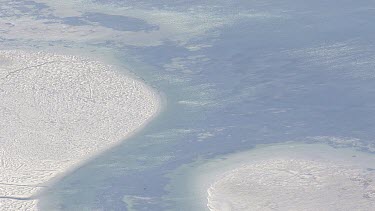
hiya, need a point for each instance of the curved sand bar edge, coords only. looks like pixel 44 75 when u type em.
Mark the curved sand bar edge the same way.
pixel 56 113
pixel 285 176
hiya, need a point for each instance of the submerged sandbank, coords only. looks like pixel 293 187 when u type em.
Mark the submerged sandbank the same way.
pixel 57 111
pixel 291 176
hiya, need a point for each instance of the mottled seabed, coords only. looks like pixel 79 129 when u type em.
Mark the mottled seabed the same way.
pixel 290 176
pixel 57 111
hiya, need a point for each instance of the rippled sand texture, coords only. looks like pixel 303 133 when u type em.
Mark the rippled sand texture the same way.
pixel 294 184
pixel 56 111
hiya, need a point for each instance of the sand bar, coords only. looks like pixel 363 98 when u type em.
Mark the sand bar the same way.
pixel 58 111
pixel 294 177
pixel 287 176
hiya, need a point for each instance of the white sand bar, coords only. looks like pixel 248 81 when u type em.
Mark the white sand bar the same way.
pixel 294 177
pixel 57 111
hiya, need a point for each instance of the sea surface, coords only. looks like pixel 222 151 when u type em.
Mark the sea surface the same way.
pixel 237 74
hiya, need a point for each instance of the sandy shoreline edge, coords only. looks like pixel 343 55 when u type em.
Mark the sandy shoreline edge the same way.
pixel 113 102
pixel 246 180
pixel 289 176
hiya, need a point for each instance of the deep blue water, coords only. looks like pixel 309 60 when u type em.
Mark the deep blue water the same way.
pixel 309 72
